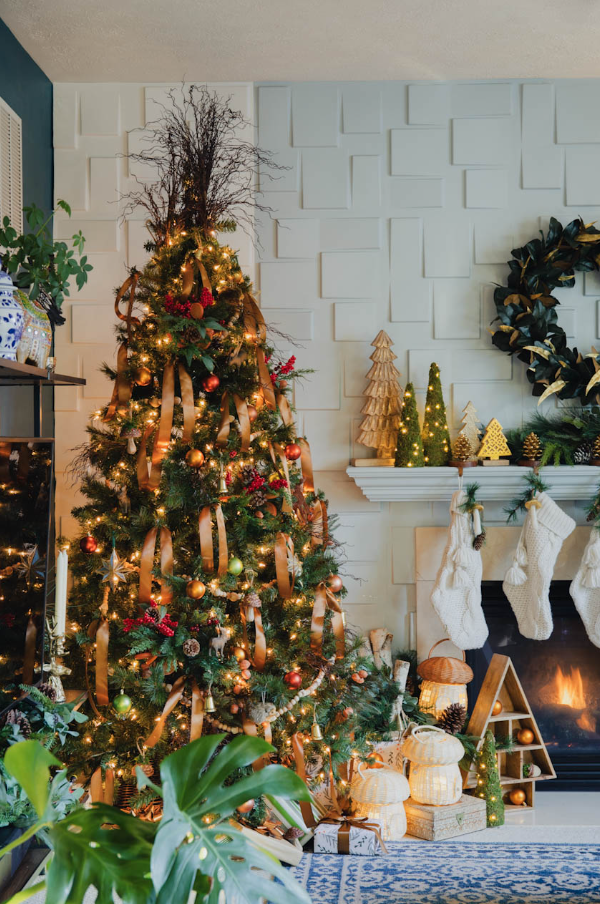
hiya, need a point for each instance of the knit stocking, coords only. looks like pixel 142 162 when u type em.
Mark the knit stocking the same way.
pixel 585 588
pixel 527 581
pixel 456 596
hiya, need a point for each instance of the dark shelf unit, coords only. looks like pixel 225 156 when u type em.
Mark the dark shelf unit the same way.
pixel 14 374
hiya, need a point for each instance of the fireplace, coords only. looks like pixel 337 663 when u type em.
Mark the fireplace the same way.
pixel 560 677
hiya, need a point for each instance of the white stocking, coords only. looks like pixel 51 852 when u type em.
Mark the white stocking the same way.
pixel 585 588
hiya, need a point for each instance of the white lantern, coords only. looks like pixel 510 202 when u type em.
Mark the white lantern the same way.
pixel 379 794
pixel 434 774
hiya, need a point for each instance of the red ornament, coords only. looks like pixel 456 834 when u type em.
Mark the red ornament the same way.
pixel 293 451
pixel 238 688
pixel 293 679
pixel 335 583
pixel 234 708
pixel 211 383
pixel 88 544
pixel 252 413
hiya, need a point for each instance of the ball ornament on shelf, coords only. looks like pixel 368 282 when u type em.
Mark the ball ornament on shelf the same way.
pixel 142 376
pixel 335 583
pixel 88 544
pixel 122 703
pixel 195 590
pixel 235 566
pixel 525 736
pixel 211 383
pixel 497 708
pixel 195 458
pixel 293 679
pixel 517 797
pixel 293 451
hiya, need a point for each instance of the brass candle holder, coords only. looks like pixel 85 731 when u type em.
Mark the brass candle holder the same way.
pixel 56 668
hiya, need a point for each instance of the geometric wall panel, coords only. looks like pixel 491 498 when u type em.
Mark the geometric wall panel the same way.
pixel 486 188
pixel 447 248
pixel 325 178
pixel 493 242
pixel 427 104
pixel 71 177
pixel 591 283
pixel 274 117
pixel 297 238
pixel 103 184
pixel 350 275
pixel 492 99
pixel 542 159
pixel 288 284
pixel 583 175
pixel 355 320
pixel 65 116
pixel 410 293
pixel 321 389
pixel 456 309
pixel 417 193
pixel 285 179
pixel 366 182
pixel 419 361
pixel 361 104
pixel 480 141
pixel 89 323
pixel 419 152
pixel 474 364
pixel 578 112
pixel 315 115
pixel 100 110
pixel 298 325
pixel 349 233
pixel 100 235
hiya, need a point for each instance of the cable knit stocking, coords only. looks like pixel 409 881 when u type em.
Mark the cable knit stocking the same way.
pixel 456 596
pixel 527 581
pixel 585 588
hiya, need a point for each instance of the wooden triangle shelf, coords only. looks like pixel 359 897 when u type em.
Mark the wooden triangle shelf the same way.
pixel 502 684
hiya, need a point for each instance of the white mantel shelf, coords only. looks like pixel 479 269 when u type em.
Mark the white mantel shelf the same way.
pixel 437 484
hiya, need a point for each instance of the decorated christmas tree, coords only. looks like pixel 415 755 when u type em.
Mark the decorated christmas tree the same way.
pixel 436 440
pixel 206 584
pixel 470 427
pixel 488 781
pixel 409 447
pixel 382 407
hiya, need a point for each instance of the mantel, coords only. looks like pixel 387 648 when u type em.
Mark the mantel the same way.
pixel 437 484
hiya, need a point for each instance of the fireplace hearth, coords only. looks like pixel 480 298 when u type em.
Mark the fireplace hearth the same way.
pixel 560 677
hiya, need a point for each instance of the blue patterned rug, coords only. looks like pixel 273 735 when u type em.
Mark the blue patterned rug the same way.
pixel 420 873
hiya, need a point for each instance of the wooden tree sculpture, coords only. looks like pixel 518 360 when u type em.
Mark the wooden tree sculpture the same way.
pixel 494 444
pixel 470 428
pixel 379 428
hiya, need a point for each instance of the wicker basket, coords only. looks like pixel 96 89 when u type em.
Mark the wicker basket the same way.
pixel 439 786
pixel 445 669
pixel 380 794
pixel 428 745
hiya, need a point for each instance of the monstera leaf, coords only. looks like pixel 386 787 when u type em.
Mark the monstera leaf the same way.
pixel 192 837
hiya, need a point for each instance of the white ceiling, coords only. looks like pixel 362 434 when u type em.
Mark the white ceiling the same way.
pixel 307 40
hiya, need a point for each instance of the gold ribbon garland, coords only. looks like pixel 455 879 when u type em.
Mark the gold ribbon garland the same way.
pixel 283 545
pixel 305 807
pixel 121 393
pixel 197 712
pixel 163 435
pixel 173 699
pixel 99 634
pixel 324 599
pixel 206 540
pixel 306 465
pixel 187 403
pixel 29 651
pixel 147 563
pixel 256 330
pixel 106 794
pixel 227 418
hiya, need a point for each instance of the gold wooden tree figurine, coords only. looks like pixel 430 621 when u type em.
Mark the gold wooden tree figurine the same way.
pixel 532 451
pixel 383 405
pixel 493 445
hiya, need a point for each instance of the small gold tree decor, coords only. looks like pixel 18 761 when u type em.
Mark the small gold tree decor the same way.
pixel 462 453
pixel 470 427
pixel 383 405
pixel 436 441
pixel 532 451
pixel 409 448
pixel 493 445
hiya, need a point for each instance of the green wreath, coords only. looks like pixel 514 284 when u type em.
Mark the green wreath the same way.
pixel 528 318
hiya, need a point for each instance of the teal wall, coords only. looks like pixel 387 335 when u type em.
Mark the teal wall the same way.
pixel 28 91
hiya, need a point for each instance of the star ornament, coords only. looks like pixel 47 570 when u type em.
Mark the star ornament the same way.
pixel 115 570
pixel 32 566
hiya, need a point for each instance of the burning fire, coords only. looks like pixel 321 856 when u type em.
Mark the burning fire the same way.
pixel 568 691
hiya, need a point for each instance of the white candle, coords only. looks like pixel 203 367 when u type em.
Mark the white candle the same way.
pixel 60 594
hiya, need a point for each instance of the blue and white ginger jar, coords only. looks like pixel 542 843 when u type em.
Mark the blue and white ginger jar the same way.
pixel 12 319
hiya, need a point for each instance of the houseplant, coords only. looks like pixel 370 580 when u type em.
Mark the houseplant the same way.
pixel 194 847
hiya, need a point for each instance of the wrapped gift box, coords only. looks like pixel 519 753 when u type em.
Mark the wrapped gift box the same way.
pixel 334 838
pixel 439 823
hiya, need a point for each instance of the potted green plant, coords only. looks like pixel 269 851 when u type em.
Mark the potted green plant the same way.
pixel 194 847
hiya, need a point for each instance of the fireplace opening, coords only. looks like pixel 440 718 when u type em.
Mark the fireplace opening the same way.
pixel 560 677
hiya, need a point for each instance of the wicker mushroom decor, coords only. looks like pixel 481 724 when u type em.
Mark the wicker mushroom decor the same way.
pixel 434 774
pixel 380 794
pixel 445 680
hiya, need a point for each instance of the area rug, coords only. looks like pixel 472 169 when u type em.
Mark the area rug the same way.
pixel 455 873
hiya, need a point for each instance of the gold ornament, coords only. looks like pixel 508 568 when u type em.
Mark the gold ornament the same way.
pixel 315 732
pixel 209 704
pixel 115 570
pixel 497 708
pixel 517 797
pixel 197 311
pixel 195 458
pixel 195 590
pixel 142 376
pixel 525 736
pixel 239 653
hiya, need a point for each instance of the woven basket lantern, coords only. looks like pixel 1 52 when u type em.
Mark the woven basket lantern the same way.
pixel 380 794
pixel 445 680
pixel 434 774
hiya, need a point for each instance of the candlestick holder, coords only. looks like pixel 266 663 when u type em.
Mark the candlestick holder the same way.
pixel 55 668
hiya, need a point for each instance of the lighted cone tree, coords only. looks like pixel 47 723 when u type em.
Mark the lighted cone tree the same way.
pixel 409 447
pixel 213 601
pixel 383 405
pixel 436 439
pixel 488 781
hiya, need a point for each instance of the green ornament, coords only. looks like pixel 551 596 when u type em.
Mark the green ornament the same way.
pixel 122 703
pixel 236 566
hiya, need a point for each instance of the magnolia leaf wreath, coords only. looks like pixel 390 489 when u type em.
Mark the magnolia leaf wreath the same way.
pixel 528 317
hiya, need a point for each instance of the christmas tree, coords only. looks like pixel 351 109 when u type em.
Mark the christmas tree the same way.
pixel 470 427
pixel 488 781
pixel 382 408
pixel 494 442
pixel 436 440
pixel 409 448
pixel 205 577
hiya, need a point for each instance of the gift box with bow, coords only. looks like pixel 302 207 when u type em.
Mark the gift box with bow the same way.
pixel 340 834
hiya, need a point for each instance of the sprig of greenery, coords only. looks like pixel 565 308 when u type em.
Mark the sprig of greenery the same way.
pixel 534 484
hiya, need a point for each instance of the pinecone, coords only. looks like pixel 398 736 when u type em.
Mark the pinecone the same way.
pixel 190 335
pixel 247 473
pixel 479 540
pixel 47 690
pixel 532 448
pixel 259 497
pixel 191 647
pixel 453 718
pixel 596 449
pixel 461 450
pixel 16 717
pixel 582 454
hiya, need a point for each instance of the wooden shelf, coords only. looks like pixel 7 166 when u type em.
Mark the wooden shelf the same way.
pixel 14 374
pixel 504 717
pixel 437 484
